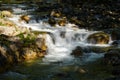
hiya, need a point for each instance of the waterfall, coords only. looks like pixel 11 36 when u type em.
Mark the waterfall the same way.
pixel 61 40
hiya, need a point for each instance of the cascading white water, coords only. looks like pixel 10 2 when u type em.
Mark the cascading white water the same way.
pixel 60 41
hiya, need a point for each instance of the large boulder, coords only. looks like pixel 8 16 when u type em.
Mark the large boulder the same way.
pixel 23 47
pixel 98 38
pixel 78 51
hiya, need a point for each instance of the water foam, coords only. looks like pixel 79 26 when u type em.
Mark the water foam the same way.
pixel 61 40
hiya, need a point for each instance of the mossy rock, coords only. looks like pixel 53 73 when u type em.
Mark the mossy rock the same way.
pixel 98 38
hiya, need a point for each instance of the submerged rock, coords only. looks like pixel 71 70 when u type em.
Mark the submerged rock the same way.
pixel 78 51
pixel 98 38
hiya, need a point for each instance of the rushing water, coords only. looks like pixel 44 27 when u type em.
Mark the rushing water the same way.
pixel 59 64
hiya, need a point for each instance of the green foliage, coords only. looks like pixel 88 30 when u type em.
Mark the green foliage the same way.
pixel 27 39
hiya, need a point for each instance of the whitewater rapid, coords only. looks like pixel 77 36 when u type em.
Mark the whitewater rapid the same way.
pixel 60 40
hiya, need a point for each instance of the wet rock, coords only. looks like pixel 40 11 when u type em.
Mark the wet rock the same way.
pixel 52 21
pixel 55 13
pixel 98 38
pixel 25 18
pixel 116 43
pixel 78 51
pixel 112 57
pixel 97 49
pixel 75 20
pixel 62 22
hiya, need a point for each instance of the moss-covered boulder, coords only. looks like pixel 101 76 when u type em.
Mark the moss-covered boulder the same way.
pixel 98 38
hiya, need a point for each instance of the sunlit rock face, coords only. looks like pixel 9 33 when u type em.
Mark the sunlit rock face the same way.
pixel 6 14
pixel 98 38
pixel 21 47
pixel 12 31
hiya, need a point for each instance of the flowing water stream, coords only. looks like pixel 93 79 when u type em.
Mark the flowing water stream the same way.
pixel 59 64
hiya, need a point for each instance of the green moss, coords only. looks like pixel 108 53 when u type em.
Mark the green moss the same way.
pixel 28 39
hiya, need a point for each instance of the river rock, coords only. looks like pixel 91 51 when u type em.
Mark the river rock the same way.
pixel 78 51
pixel 112 57
pixel 62 22
pixel 25 18
pixel 98 38
pixel 55 13
pixel 52 21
